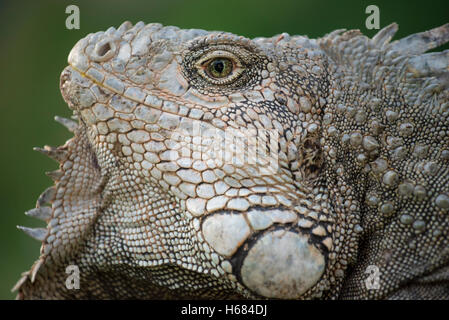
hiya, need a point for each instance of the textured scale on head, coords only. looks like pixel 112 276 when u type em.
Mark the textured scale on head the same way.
pixel 208 165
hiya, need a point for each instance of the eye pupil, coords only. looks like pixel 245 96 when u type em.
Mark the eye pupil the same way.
pixel 218 66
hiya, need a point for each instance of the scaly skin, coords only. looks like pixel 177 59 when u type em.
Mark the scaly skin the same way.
pixel 207 165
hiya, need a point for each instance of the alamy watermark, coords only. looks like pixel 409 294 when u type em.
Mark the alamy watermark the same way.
pixel 239 147
pixel 373 20
pixel 72 282
pixel 373 280
pixel 73 20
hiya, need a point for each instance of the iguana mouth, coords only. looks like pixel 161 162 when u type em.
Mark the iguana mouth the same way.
pixel 71 89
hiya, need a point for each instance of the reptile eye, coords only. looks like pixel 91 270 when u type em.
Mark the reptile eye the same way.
pixel 219 67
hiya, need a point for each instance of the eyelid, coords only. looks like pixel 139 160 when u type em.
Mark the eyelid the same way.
pixel 219 54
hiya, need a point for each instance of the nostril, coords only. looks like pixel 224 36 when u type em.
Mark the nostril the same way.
pixel 101 51
pixel 104 50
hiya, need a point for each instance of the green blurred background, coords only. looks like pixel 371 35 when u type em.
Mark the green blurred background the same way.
pixel 34 48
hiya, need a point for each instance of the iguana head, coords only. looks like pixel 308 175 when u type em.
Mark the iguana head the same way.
pixel 223 129
pixel 208 164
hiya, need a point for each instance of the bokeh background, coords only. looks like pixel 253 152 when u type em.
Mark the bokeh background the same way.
pixel 34 45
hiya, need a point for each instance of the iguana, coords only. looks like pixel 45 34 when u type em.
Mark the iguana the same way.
pixel 209 165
